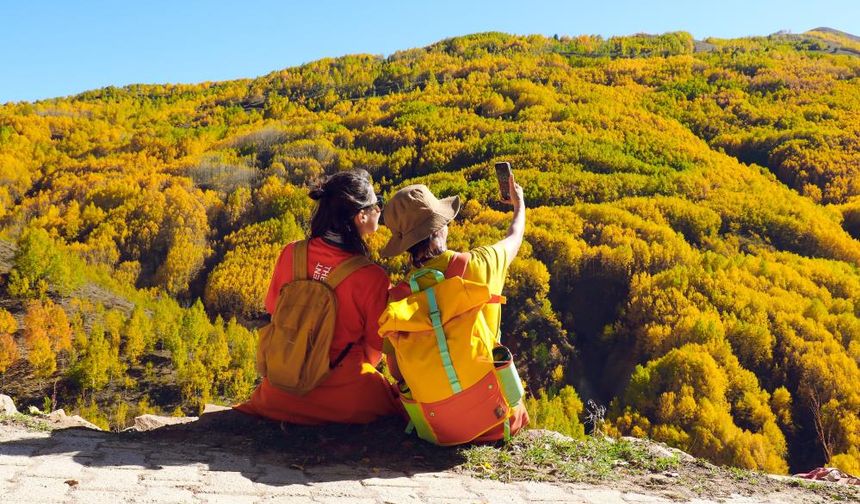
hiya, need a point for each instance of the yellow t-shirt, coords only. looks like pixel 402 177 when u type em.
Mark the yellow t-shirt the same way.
pixel 488 264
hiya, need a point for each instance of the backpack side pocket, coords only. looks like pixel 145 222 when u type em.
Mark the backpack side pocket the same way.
pixel 506 371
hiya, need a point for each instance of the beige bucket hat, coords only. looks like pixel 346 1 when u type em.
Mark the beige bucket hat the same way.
pixel 413 214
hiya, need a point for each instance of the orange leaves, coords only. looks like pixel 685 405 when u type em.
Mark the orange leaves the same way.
pixel 9 352
pixel 46 333
pixel 48 321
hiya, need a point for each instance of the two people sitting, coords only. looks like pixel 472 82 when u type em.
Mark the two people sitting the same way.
pixel 350 389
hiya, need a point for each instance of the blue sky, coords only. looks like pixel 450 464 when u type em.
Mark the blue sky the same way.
pixel 62 47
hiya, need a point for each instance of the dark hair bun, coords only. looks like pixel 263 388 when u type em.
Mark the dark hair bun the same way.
pixel 317 193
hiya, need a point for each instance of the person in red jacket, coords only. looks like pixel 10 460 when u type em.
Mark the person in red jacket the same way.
pixel 354 391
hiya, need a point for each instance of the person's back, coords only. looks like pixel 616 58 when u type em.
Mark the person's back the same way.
pixel 419 226
pixel 487 264
pixel 353 391
pixel 293 352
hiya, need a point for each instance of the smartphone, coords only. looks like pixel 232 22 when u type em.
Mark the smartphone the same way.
pixel 504 174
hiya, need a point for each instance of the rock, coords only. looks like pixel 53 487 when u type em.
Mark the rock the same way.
pixel 212 408
pixel 7 405
pixel 660 450
pixel 544 434
pixel 57 415
pixel 60 420
pixel 227 420
pixel 150 422
pixel 82 422
pixel 682 455
pixel 658 479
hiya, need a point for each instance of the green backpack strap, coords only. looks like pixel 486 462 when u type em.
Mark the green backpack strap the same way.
pixel 436 320
pixel 442 342
pixel 413 279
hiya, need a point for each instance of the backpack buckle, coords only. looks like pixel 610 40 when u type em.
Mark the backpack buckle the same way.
pixel 500 412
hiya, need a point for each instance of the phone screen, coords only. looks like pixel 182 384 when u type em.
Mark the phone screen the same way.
pixel 504 174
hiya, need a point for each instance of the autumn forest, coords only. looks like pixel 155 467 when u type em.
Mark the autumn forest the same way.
pixel 691 255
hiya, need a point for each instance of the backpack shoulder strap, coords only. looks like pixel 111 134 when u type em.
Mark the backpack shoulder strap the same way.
pixel 399 291
pixel 300 260
pixel 346 268
pixel 457 265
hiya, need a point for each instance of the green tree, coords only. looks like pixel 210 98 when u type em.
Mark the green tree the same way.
pixel 138 331
pixel 559 412
pixel 39 264
pixel 216 355
pixel 94 369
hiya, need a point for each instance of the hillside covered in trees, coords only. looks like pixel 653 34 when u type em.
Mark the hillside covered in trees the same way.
pixel 691 258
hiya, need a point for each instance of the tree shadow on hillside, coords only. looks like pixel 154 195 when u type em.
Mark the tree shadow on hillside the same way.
pixel 593 302
pixel 262 451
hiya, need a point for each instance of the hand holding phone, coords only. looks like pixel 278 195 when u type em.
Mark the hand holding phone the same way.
pixel 504 175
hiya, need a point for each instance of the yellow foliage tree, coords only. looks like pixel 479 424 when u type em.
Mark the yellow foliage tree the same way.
pixel 694 410
pixel 49 320
pixel 41 356
pixel 8 324
pixel 559 412
pixel 8 351
pixel 675 199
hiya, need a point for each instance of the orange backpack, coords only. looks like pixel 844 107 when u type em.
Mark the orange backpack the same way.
pixel 461 382
pixel 294 348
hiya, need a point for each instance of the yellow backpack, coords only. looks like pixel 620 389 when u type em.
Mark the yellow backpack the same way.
pixel 461 381
pixel 294 348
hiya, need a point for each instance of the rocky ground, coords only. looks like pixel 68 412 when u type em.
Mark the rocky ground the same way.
pixel 227 457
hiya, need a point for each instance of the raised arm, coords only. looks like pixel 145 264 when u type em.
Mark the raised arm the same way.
pixel 514 238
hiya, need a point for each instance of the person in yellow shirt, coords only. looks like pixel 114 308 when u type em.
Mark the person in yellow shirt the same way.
pixel 419 225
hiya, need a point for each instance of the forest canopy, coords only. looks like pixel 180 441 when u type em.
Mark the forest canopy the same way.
pixel 691 257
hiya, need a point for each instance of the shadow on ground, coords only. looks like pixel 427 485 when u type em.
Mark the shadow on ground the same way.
pixel 262 451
